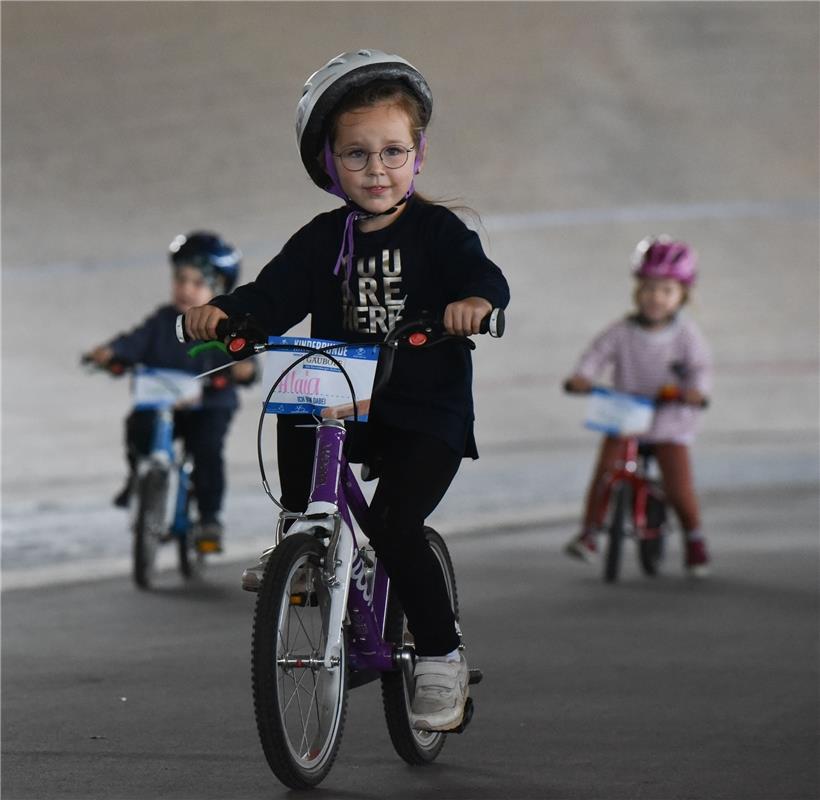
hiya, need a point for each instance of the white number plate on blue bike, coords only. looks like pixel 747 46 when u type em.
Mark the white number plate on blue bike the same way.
pixel 618 413
pixel 316 385
pixel 165 388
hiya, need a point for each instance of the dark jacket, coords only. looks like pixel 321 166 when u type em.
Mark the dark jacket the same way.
pixel 154 344
pixel 423 261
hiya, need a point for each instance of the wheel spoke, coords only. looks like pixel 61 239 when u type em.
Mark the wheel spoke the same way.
pixel 299 703
pixel 301 679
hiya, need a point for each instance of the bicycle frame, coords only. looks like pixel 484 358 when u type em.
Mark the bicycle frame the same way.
pixel 627 470
pixel 334 495
pixel 163 454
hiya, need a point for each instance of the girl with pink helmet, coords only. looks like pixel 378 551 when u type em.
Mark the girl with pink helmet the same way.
pixel 656 350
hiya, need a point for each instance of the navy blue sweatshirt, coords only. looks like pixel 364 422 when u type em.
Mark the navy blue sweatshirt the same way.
pixel 425 259
pixel 154 343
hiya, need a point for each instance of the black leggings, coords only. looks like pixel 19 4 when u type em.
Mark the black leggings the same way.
pixel 415 471
pixel 203 432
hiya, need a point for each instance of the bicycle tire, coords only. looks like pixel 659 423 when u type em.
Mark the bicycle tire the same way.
pixel 300 746
pixel 415 747
pixel 615 538
pixel 149 524
pixel 191 562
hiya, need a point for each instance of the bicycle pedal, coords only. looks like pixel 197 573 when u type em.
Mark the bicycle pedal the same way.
pixel 469 709
pixel 476 676
pixel 208 546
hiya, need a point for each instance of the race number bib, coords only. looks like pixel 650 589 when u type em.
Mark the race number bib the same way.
pixel 316 385
pixel 165 388
pixel 618 413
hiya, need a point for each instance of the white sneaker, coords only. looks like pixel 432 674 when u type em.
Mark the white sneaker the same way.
pixel 441 689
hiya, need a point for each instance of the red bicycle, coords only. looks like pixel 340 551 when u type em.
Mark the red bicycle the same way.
pixel 630 501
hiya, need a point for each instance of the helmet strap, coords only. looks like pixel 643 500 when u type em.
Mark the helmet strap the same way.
pixel 357 213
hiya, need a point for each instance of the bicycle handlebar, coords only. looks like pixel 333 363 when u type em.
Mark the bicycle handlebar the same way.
pixel 665 396
pixel 245 337
pixel 114 366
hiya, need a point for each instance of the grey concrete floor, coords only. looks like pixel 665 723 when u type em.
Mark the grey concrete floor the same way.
pixel 655 689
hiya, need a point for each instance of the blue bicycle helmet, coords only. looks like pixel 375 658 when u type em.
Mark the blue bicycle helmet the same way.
pixel 218 260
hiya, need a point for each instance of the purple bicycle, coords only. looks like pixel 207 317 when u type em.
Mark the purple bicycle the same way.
pixel 326 618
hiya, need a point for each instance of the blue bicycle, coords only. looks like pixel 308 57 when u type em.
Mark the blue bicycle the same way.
pixel 161 485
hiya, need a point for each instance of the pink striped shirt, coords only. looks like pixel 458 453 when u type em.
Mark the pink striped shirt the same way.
pixel 643 360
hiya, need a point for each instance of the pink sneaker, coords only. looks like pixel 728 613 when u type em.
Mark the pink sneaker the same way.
pixel 582 546
pixel 697 558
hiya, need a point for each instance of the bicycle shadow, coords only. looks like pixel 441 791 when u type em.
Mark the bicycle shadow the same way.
pixel 199 589
pixel 733 587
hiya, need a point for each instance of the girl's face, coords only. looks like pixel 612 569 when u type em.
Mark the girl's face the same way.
pixel 659 298
pixel 376 187
pixel 190 288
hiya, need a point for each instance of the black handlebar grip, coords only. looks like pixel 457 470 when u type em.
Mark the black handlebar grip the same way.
pixel 493 323
pixel 223 329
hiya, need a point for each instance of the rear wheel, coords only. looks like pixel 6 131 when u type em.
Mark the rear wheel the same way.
pixel 415 747
pixel 300 704
pixel 650 553
pixel 650 545
pixel 612 560
pixel 191 561
pixel 149 523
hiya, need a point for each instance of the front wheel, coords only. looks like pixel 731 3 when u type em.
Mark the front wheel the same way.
pixel 300 704
pixel 612 560
pixel 149 523
pixel 415 747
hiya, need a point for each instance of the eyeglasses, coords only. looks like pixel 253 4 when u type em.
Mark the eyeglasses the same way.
pixel 394 156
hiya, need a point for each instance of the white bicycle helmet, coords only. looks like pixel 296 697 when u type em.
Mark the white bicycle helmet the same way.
pixel 328 85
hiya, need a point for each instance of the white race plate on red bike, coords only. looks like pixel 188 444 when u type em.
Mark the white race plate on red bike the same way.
pixel 316 385
pixel 165 388
pixel 618 413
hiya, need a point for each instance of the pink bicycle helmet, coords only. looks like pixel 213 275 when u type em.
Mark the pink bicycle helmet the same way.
pixel 662 257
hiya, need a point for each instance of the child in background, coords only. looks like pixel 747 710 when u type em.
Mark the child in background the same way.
pixel 655 347
pixel 387 253
pixel 202 264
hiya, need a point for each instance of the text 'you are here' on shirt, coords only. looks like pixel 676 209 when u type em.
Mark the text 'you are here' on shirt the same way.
pixel 421 262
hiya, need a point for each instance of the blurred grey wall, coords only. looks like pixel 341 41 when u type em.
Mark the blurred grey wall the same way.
pixel 574 129
pixel 124 123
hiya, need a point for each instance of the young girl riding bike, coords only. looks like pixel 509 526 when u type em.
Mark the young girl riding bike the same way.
pixel 652 351
pixel 386 253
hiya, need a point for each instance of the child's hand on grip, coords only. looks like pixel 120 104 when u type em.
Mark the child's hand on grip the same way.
pixel 201 322
pixel 463 318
